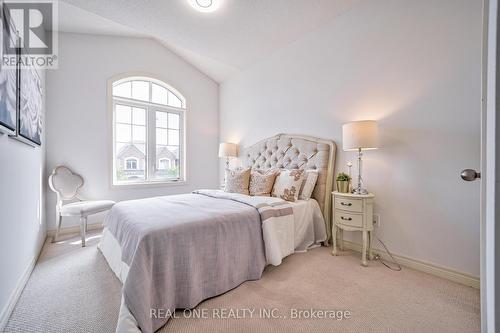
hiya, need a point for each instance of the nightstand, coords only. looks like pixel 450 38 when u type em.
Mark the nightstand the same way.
pixel 353 212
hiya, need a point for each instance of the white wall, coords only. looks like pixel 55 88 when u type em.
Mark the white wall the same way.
pixel 78 121
pixel 22 213
pixel 415 67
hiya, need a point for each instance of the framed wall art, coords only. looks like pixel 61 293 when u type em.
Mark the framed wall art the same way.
pixel 9 80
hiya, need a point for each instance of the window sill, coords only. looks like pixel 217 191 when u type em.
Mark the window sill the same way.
pixel 149 184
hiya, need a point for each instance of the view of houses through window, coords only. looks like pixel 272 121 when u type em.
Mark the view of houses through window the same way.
pixel 148 120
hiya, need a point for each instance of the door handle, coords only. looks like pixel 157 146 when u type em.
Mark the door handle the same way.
pixel 469 175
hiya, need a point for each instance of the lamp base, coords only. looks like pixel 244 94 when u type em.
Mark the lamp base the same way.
pixel 361 191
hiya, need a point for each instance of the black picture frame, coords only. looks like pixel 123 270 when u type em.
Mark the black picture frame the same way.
pixel 9 79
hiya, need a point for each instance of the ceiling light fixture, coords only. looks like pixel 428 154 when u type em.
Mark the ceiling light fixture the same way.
pixel 204 3
pixel 205 6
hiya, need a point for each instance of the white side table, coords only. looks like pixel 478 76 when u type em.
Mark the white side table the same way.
pixel 352 212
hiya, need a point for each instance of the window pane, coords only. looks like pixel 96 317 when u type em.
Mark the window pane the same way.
pixel 141 147
pixel 122 114
pixel 130 162
pixel 139 133
pixel 159 95
pixel 174 100
pixel 161 136
pixel 167 163
pixel 173 137
pixel 140 90
pixel 174 150
pixel 119 146
pixel 123 90
pixel 161 119
pixel 139 116
pixel 123 133
pixel 173 121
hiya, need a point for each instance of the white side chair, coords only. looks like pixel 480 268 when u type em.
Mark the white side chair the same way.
pixel 66 184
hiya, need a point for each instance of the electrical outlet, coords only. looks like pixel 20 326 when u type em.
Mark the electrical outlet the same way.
pixel 376 220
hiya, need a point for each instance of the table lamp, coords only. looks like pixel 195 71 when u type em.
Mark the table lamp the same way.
pixel 360 135
pixel 227 150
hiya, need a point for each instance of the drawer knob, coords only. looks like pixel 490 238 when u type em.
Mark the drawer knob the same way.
pixel 346 204
pixel 346 218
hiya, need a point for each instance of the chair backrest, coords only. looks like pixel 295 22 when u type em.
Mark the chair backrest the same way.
pixel 65 183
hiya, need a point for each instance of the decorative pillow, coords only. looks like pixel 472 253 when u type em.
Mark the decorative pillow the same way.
pixel 308 185
pixel 261 182
pixel 237 181
pixel 287 184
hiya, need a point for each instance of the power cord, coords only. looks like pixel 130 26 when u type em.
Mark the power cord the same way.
pixel 379 258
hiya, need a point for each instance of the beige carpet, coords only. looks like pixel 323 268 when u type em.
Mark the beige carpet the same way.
pixel 73 290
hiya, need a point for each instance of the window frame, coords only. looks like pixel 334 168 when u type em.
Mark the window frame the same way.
pixel 151 109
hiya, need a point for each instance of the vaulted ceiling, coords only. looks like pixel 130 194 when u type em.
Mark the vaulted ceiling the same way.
pixel 240 33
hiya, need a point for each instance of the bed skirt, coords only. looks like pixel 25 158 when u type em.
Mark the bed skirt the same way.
pixel 110 249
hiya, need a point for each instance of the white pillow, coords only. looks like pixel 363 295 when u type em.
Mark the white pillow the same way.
pixel 309 184
pixel 287 184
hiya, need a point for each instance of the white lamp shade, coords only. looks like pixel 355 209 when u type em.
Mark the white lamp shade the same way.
pixel 228 150
pixel 360 134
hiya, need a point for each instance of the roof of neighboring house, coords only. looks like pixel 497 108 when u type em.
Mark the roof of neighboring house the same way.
pixel 133 151
pixel 164 152
pixel 130 151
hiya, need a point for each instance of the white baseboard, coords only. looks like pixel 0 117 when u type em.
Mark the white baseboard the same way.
pixel 419 265
pixel 73 229
pixel 16 293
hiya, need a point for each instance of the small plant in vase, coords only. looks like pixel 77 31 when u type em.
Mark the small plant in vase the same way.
pixel 343 180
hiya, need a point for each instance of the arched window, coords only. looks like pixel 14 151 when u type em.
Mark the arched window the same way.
pixel 131 163
pixel 148 123
pixel 164 164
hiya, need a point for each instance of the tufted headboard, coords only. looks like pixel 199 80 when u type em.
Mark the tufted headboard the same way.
pixel 287 151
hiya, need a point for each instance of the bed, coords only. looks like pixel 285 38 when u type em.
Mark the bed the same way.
pixel 175 251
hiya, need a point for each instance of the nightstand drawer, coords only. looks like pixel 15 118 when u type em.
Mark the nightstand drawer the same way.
pixel 352 220
pixel 352 205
